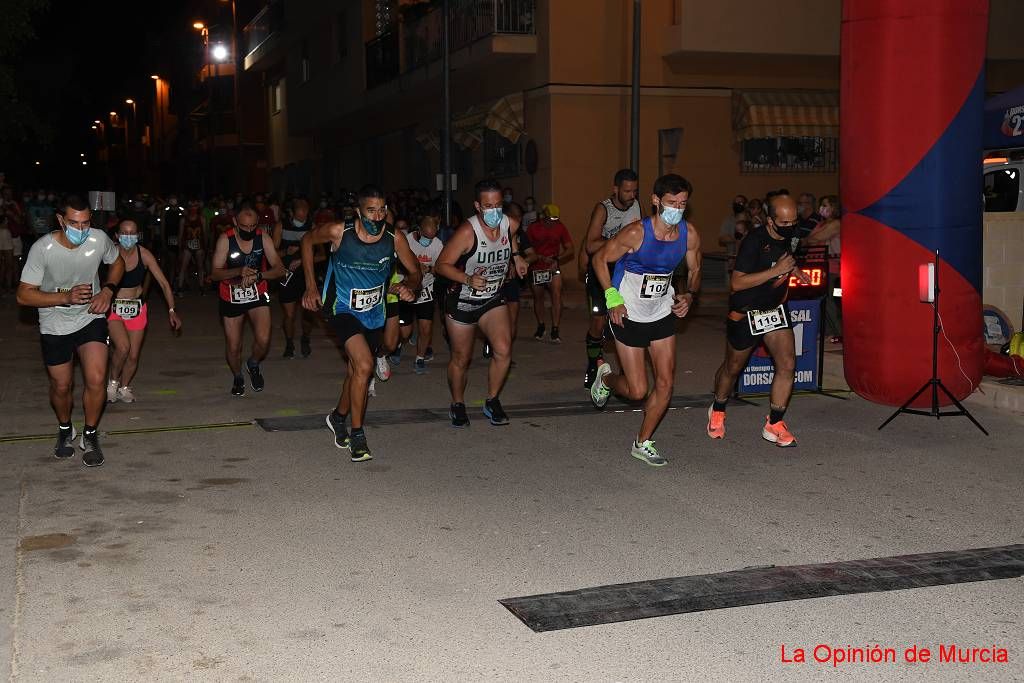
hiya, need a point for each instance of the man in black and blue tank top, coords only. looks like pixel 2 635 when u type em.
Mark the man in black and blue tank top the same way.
pixel 476 261
pixel 243 260
pixel 362 254
pixel 287 236
pixel 643 305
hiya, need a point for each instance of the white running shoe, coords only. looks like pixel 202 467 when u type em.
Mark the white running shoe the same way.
pixel 112 390
pixel 372 389
pixel 125 394
pixel 599 391
pixel 383 369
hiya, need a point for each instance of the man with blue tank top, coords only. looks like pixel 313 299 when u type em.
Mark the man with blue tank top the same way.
pixel 643 306
pixel 358 270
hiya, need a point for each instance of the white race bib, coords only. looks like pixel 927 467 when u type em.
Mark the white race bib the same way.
pixel 193 245
pixel 426 294
pixel 489 291
pixel 244 295
pixel 541 277
pixel 763 322
pixel 172 241
pixel 127 308
pixel 655 286
pixel 362 300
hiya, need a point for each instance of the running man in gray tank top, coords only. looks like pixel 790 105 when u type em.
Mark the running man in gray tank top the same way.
pixel 606 220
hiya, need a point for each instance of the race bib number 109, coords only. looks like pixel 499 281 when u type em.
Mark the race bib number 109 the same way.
pixel 127 308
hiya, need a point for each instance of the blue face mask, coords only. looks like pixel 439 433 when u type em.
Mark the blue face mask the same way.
pixel 297 223
pixel 671 215
pixel 75 236
pixel 492 217
pixel 425 241
pixel 128 241
pixel 373 227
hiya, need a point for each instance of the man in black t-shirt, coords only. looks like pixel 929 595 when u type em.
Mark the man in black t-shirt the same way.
pixel 757 312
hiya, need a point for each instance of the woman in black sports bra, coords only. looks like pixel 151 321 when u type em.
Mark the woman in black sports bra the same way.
pixel 126 321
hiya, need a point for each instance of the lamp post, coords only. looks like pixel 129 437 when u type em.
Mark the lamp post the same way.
pixel 204 31
pixel 234 90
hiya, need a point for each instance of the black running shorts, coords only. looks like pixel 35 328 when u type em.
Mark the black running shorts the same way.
pixel 640 335
pixel 409 313
pixel 292 288
pixel 737 332
pixel 470 317
pixel 230 310
pixel 60 348
pixel 346 326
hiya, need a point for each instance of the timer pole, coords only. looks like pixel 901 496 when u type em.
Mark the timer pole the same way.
pixel 935 383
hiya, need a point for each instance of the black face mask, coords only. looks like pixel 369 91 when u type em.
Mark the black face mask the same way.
pixel 247 235
pixel 787 232
pixel 738 208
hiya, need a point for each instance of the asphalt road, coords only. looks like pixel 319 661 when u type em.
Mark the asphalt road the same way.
pixel 233 553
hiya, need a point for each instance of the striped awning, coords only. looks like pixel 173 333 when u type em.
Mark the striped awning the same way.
pixel 429 140
pixel 774 114
pixel 504 116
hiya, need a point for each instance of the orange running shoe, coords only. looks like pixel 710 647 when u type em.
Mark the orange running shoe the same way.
pixel 716 422
pixel 778 434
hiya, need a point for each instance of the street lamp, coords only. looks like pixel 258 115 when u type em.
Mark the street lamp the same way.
pixel 220 53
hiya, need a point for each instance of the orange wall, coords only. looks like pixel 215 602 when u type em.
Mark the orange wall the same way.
pixel 590 137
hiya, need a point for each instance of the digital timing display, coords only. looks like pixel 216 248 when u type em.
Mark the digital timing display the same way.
pixel 817 276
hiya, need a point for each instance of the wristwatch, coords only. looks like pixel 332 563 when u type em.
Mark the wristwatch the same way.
pixel 111 286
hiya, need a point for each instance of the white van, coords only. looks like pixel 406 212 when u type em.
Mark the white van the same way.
pixel 1004 190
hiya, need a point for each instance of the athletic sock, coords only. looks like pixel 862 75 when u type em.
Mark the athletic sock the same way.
pixel 339 415
pixel 357 431
pixel 776 414
pixel 593 348
pixel 90 429
pixel 64 425
pixel 720 405
pixel 251 364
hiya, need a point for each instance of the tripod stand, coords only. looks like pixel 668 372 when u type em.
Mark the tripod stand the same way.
pixel 935 383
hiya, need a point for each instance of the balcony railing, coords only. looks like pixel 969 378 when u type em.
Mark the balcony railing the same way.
pixel 269 21
pixel 420 38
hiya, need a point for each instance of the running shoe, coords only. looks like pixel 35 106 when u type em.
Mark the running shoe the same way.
pixel 255 377
pixel 360 451
pixel 429 356
pixel 494 412
pixel 539 334
pixel 238 386
pixel 112 387
pixel 555 338
pixel 65 446
pixel 716 422
pixel 289 350
pixel 420 366
pixel 648 453
pixel 305 347
pixel 396 357
pixel 457 411
pixel 599 392
pixel 337 425
pixel 92 455
pixel 778 434
pixel 125 394
pixel 382 370
pixel 371 390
